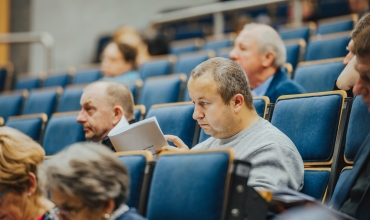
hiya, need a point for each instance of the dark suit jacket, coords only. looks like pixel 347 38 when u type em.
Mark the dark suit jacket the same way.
pixel 363 210
pixel 282 85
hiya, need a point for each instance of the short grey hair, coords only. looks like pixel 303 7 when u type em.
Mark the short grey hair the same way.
pixel 116 94
pixel 269 41
pixel 229 77
pixel 89 171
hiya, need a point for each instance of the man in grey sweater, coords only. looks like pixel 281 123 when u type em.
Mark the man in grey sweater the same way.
pixel 223 107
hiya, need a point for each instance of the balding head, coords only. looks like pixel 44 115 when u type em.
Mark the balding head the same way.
pixel 103 105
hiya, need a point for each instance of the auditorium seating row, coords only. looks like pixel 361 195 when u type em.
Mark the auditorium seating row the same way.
pixel 327 129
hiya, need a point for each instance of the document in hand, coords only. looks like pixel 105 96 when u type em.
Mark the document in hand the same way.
pixel 142 135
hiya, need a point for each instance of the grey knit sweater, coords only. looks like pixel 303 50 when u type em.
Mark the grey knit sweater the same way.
pixel 276 162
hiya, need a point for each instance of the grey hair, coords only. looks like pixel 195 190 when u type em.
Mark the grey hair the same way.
pixel 89 171
pixel 269 41
pixel 229 77
pixel 116 94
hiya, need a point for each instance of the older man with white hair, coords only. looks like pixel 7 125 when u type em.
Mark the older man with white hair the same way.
pixel 261 53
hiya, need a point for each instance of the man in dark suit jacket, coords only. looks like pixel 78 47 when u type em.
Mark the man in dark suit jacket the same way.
pixel 104 104
pixel 354 195
pixel 261 53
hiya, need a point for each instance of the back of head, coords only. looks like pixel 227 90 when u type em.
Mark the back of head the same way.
pixel 116 94
pixel 19 156
pixel 361 24
pixel 268 41
pixel 90 172
pixel 361 46
pixel 229 77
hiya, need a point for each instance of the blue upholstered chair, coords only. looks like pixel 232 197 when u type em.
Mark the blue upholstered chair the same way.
pixel 336 25
pixel 176 119
pixel 136 163
pixel 70 100
pixel 61 131
pixel 62 79
pixel 86 76
pixel 187 62
pixel 189 186
pixel 27 83
pixel 342 178
pixel 294 49
pixel 327 46
pixel 318 76
pixel 311 121
pixel 158 90
pixel 358 129
pixel 218 42
pixel 260 104
pixel 156 67
pixel 11 103
pixel 183 46
pixel 139 112
pixel 135 89
pixel 42 101
pixel 304 32
pixel 316 182
pixel 31 125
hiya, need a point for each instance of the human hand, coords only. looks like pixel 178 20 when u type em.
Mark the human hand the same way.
pixel 180 145
pixel 348 77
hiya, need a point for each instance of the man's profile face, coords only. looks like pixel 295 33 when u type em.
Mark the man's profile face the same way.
pixel 350 53
pixel 246 54
pixel 96 116
pixel 209 110
pixel 362 86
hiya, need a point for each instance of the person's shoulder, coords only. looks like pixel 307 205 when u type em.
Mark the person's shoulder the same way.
pixel 131 215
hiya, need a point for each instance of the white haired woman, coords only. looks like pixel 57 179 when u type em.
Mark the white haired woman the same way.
pixel 88 181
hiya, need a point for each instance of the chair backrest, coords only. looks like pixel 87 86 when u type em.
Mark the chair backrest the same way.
pixel 31 125
pixel 156 67
pixel 357 130
pixel 70 100
pixel 288 33
pixel 176 119
pixel 62 79
pixel 27 83
pixel 42 101
pixel 11 103
pixel 187 62
pixel 294 49
pixel 61 131
pixel 318 76
pixel 342 178
pixel 139 112
pixel 86 76
pixel 338 24
pixel 159 90
pixel 183 46
pixel 260 104
pixel 194 189
pixel 327 46
pixel 316 182
pixel 218 42
pixel 136 163
pixel 311 121
pixel 135 89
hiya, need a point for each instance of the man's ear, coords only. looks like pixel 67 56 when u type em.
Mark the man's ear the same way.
pixel 237 102
pixel 268 59
pixel 117 114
